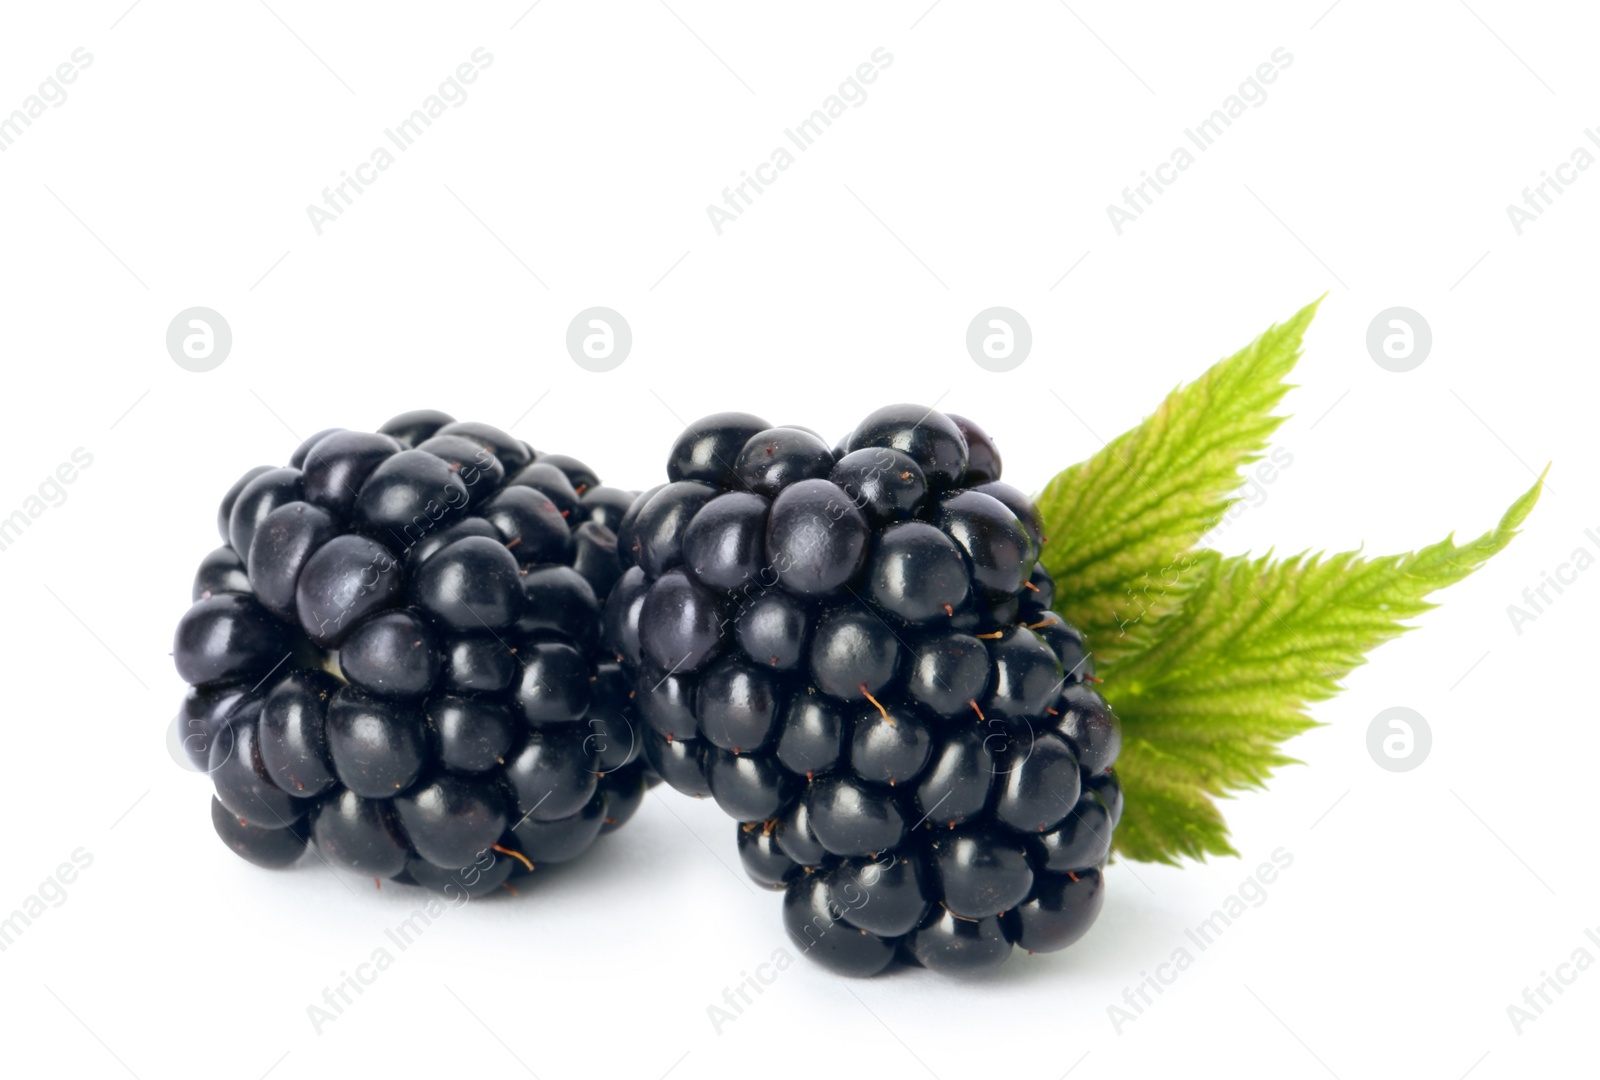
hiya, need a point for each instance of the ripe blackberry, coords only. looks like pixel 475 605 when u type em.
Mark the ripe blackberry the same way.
pixel 395 656
pixel 852 651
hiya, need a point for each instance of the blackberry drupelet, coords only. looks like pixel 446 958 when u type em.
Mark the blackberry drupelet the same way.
pixel 395 656
pixel 852 651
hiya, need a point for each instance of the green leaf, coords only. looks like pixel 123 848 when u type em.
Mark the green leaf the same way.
pixel 1209 694
pixel 1122 524
pixel 1212 662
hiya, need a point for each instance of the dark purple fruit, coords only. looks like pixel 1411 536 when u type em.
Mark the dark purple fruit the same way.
pixel 927 437
pixel 410 495
pixel 531 527
pixel 655 539
pixel 475 733
pixel 983 458
pixel 852 817
pixel 773 629
pixel 606 505
pixel 473 586
pixel 554 774
pixel 610 721
pixel 508 448
pixel 739 705
pixel 1061 911
pixel 680 762
pixel 346 579
pixel 1039 788
pixel 228 637
pixel 410 428
pixel 453 820
pixel 241 778
pixel 816 538
pixel 795 838
pixel 777 457
pixel 339 463
pixel 917 573
pixel 748 787
pixel 204 712
pixel 1109 788
pixel 294 734
pixel 261 496
pixel 891 747
pixel 812 738
pixel 284 542
pixel 552 483
pixel 360 834
pixel 619 621
pixel 1021 507
pixel 273 849
pixel 812 919
pixel 556 600
pixel 887 896
pixel 666 702
pixel 481 877
pixel 982 870
pixel 763 860
pixel 378 746
pixel 1027 675
pixel 708 448
pixel 955 787
pixel 680 623
pixel 393 654
pixel 949 674
pixel 951 945
pixel 579 476
pixel 853 654
pixel 885 485
pixel 1092 728
pixel 624 793
pixel 480 472
pixel 439 539
pixel 222 571
pixel 562 840
pixel 225 509
pixel 998 548
pixel 479 663
pixel 1081 841
pixel 594 557
pixel 555 683
pixel 1041 594
pixel 724 543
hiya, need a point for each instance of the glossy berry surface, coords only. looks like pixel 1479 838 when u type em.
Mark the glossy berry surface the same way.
pixel 816 926
pixel 852 652
pixel 395 658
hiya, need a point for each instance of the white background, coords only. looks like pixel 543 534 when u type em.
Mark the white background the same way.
pixel 976 173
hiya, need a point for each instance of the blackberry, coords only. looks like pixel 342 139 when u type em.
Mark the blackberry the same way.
pixel 395 657
pixel 852 651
